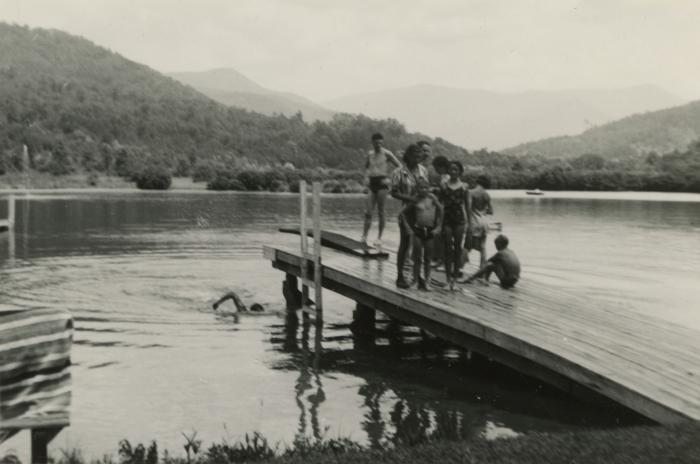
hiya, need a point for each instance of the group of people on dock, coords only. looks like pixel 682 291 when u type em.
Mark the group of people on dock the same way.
pixel 442 219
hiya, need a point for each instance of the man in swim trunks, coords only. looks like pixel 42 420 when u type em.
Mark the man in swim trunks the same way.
pixel 504 263
pixel 377 169
pixel 426 151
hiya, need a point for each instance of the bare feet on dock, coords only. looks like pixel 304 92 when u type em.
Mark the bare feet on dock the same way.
pixel 424 285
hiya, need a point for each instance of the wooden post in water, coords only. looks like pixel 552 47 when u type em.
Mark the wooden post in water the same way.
pixel 363 326
pixel 318 288
pixel 304 247
pixel 40 441
pixel 292 295
pixel 25 166
pixel 11 211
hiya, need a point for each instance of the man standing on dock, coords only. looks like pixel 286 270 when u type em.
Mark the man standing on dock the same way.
pixel 403 187
pixel 377 174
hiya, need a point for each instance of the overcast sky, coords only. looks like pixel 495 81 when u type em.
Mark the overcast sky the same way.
pixel 329 48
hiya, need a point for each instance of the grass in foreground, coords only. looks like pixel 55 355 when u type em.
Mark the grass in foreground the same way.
pixel 638 445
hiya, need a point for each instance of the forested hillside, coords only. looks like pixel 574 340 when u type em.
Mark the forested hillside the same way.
pixel 80 107
pixel 659 132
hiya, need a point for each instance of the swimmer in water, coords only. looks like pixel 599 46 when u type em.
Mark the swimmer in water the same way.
pixel 240 306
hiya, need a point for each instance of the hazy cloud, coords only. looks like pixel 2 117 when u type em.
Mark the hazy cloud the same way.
pixel 324 49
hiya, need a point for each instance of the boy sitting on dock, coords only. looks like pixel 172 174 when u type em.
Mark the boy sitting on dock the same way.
pixel 423 218
pixel 504 263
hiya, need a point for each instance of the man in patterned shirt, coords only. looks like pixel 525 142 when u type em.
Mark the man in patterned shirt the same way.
pixel 403 187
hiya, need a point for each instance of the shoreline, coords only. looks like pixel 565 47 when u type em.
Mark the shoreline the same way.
pixel 641 445
pixel 495 193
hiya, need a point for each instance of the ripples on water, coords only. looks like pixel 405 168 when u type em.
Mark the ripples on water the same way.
pixel 140 271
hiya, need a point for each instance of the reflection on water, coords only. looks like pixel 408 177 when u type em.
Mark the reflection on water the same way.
pixel 139 272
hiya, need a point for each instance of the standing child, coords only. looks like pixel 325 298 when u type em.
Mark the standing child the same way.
pixel 454 195
pixel 504 263
pixel 423 218
pixel 478 208
pixel 438 177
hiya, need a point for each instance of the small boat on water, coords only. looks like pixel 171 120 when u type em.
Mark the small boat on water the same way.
pixel 535 192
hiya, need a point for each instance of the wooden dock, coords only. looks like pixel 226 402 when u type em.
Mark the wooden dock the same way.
pixel 646 364
pixel 35 392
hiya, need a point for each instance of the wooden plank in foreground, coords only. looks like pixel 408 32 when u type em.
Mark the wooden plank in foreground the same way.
pixel 649 365
pixel 35 390
pixel 341 243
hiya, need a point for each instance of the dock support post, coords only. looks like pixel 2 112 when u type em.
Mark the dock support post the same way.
pixel 40 440
pixel 11 211
pixel 363 325
pixel 292 295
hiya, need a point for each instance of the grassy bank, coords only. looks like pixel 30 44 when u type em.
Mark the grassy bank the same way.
pixel 638 445
pixel 40 181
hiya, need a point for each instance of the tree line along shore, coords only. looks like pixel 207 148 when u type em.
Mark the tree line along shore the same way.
pixel 673 172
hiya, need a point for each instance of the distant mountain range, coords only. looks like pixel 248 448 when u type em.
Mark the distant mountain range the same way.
pixel 659 131
pixel 232 88
pixel 477 118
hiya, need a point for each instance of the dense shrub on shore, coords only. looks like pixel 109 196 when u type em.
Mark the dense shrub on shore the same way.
pixel 277 179
pixel 153 178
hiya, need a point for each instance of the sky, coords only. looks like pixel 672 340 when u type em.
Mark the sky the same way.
pixel 324 49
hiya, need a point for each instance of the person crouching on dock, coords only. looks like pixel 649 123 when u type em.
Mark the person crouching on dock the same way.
pixel 423 218
pixel 504 263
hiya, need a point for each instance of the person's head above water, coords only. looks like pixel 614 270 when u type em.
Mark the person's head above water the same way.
pixel 501 242
pixel 411 156
pixel 257 308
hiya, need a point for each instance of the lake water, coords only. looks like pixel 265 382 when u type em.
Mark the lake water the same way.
pixel 140 270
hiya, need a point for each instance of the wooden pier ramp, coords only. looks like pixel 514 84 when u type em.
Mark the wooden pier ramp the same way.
pixel 649 365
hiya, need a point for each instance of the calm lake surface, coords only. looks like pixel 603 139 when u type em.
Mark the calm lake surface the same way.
pixel 139 272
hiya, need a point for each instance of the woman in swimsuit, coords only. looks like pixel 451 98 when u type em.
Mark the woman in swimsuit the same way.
pixel 454 195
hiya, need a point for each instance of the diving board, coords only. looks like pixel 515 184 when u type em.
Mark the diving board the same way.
pixel 648 365
pixel 342 243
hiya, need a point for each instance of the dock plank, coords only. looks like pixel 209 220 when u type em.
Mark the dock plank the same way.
pixel 645 363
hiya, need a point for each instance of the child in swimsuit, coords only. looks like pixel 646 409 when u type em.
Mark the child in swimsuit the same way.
pixel 504 264
pixel 478 208
pixel 423 218
pixel 454 195
pixel 377 168
pixel 437 177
